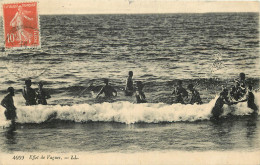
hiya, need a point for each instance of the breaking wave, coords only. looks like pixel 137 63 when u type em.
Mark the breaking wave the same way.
pixel 123 112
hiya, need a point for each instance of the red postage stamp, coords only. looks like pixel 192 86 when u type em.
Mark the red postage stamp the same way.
pixel 21 25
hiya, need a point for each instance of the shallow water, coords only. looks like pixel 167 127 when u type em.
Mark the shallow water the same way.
pixel 229 134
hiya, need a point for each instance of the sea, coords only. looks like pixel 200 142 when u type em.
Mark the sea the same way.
pixel 79 51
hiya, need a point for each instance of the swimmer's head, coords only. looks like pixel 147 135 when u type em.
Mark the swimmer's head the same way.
pixel 242 76
pixel 28 83
pixel 190 86
pixel 106 81
pixel 250 87
pixel 40 84
pixel 130 73
pixel 179 82
pixel 11 90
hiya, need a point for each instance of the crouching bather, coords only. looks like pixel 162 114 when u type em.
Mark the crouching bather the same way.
pixel 108 90
pixel 195 96
pixel 180 93
pixel 221 100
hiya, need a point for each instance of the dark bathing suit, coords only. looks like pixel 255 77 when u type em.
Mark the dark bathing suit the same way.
pixel 29 95
pixel 41 97
pixel 129 88
pixel 251 101
pixel 179 92
pixel 195 97
pixel 218 108
pixel 107 91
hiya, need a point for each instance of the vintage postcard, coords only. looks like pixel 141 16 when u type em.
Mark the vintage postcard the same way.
pixel 132 82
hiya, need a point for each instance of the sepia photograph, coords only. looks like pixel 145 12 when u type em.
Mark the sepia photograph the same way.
pixel 131 82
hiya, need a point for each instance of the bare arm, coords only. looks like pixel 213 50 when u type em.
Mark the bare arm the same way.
pixel 3 102
pixel 244 99
pixel 228 102
pixel 100 92
pixel 126 84
pixel 24 94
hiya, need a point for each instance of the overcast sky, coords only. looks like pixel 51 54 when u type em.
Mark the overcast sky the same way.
pixel 141 6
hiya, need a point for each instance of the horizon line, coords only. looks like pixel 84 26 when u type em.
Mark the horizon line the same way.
pixel 146 13
pixel 228 12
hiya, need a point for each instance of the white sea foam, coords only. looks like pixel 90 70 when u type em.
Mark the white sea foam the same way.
pixel 123 112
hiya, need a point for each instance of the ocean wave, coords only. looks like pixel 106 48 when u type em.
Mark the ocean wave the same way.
pixel 124 112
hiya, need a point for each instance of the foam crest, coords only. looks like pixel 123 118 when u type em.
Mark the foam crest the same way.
pixel 124 112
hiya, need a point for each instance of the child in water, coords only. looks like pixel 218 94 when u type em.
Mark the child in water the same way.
pixel 195 96
pixel 42 95
pixel 140 97
pixel 8 103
